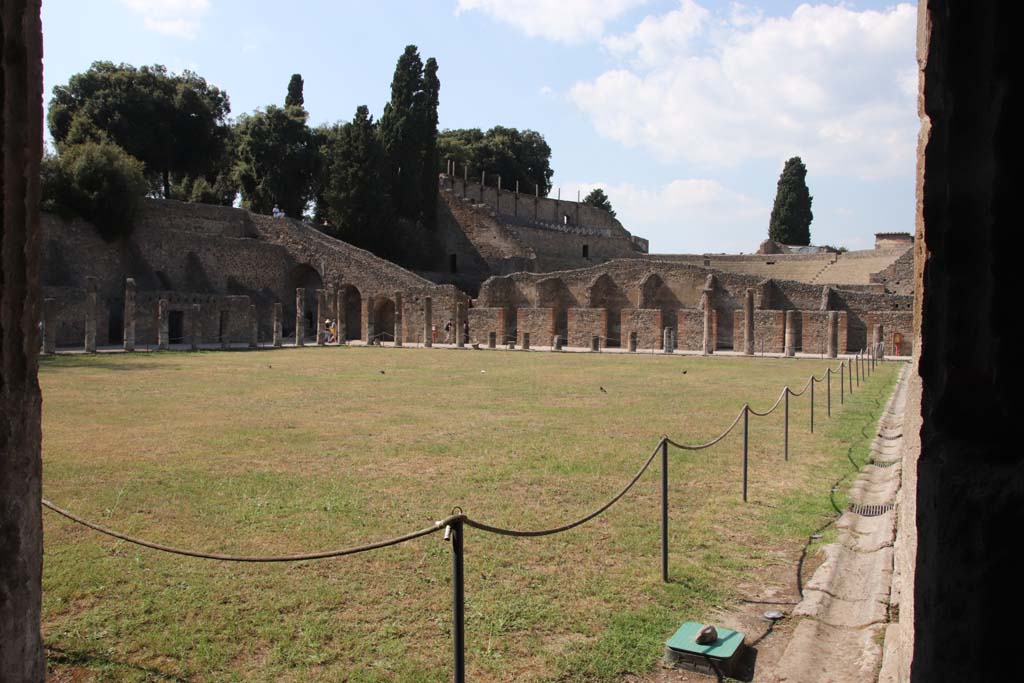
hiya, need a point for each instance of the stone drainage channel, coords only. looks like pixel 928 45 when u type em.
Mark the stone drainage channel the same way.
pixel 846 605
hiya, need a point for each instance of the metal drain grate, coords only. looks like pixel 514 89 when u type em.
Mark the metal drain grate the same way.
pixel 891 438
pixel 870 510
pixel 884 463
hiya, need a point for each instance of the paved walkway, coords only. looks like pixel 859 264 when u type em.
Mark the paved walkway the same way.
pixel 845 605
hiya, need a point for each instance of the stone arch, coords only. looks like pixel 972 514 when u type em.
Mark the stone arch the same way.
pixel 305 276
pixel 383 327
pixel 353 312
pixel 654 292
pixel 553 293
pixel 604 292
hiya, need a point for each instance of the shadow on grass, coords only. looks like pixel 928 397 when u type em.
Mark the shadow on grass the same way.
pixel 60 656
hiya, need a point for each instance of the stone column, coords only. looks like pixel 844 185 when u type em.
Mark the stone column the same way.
pixel 877 336
pixel 275 324
pixel 90 315
pixel 225 330
pixel 341 303
pixel 254 327
pixel 300 316
pixel 195 327
pixel 790 333
pixel 492 340
pixel 832 340
pixel 595 343
pixel 748 323
pixel 708 344
pixel 321 306
pixel 557 343
pixel 50 326
pixel 666 340
pixel 129 314
pixel 460 315
pixel 526 341
pixel 428 321
pixel 398 319
pixel 632 342
pixel 162 331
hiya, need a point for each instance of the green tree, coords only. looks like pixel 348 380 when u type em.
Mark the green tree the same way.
pixel 515 155
pixel 353 204
pixel 408 133
pixel 791 215
pixel 599 199
pixel 295 98
pixel 175 124
pixel 98 181
pixel 276 160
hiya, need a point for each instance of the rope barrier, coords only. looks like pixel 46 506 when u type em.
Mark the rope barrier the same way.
pixel 772 409
pixel 804 390
pixel 582 520
pixel 437 526
pixel 713 441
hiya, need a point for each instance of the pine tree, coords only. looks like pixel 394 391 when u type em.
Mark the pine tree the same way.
pixel 599 199
pixel 791 216
pixel 295 98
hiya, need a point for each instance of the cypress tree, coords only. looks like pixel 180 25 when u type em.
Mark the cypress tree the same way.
pixel 428 134
pixel 295 98
pixel 791 215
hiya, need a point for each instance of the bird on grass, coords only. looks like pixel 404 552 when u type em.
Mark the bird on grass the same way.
pixel 602 390
pixel 381 372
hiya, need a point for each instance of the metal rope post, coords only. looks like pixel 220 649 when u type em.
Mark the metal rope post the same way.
pixel 828 391
pixel 746 434
pixel 785 429
pixel 812 404
pixel 454 533
pixel 664 509
pixel 857 360
pixel 842 383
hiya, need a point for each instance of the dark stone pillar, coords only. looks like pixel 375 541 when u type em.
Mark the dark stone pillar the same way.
pixel 50 326
pixel 162 330
pixel 708 345
pixel 321 307
pixel 275 324
pixel 129 314
pixel 300 316
pixel 632 342
pixel 877 336
pixel 91 311
pixel 195 328
pixel 21 528
pixel 341 302
pixel 398 319
pixel 748 323
pixel 460 315
pixel 428 322
pixel 666 340
pixel 526 341
pixel 832 335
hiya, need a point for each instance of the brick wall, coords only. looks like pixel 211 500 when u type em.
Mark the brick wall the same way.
pixel 646 322
pixel 539 323
pixel 483 321
pixel 690 331
pixel 769 331
pixel 585 323
pixel 892 322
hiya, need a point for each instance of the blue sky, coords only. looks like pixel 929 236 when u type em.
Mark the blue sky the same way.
pixel 684 111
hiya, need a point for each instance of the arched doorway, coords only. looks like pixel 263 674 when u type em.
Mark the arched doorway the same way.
pixel 307 277
pixel 353 312
pixel 605 293
pixel 384 319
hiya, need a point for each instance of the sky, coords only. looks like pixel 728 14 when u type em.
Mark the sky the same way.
pixel 684 111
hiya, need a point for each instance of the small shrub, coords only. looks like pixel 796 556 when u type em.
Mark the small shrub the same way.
pixel 98 181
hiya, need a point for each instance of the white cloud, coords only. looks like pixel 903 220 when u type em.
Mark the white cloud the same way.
pixel 175 18
pixel 830 84
pixel 566 21
pixel 688 215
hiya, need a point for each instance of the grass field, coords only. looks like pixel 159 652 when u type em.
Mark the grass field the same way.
pixel 312 449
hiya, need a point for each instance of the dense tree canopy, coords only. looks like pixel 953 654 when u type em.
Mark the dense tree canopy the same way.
pixel 352 203
pixel 276 160
pixel 294 97
pixel 174 124
pixel 599 199
pixel 791 215
pixel 408 133
pixel 515 155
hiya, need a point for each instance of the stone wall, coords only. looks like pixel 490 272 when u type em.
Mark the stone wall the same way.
pixel 690 331
pixel 814 332
pixel 539 323
pixel 893 322
pixel 646 323
pixel 585 323
pixel 483 321
pixel 899 277
pixel 769 331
